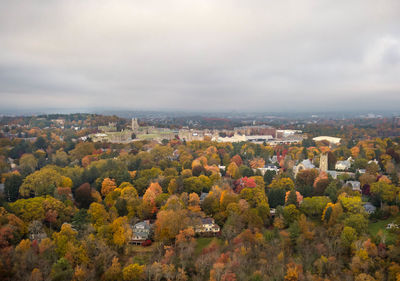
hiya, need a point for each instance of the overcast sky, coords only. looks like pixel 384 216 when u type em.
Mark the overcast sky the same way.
pixel 200 55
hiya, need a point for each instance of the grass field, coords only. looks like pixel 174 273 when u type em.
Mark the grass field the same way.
pixel 141 254
pixel 204 242
pixel 374 228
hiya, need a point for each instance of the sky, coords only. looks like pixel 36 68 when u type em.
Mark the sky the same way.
pixel 200 55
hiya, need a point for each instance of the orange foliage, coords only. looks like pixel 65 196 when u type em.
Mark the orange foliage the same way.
pixel 107 186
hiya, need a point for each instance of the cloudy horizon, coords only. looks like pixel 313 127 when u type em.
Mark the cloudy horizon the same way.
pixel 200 55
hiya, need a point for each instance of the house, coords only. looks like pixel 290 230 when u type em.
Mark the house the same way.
pixel 343 165
pixel 369 208
pixel 268 167
pixel 355 185
pixel 203 196
pixel 304 165
pixel 207 226
pixel 333 174
pixel 373 161
pixel 141 232
pixel 361 171
pixel 221 167
pixel 274 159
pixel 392 226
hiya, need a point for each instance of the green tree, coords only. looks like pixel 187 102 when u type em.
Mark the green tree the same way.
pixel 357 221
pixel 384 192
pixel 42 182
pixel 268 177
pixel 282 183
pixel 61 271
pixel 314 206
pixel 11 187
pixel 28 163
pixel 290 214
pixel 348 236
pixel 292 198
pixel 62 239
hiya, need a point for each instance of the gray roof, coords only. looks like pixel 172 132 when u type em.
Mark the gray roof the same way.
pixel 369 207
pixel 142 225
pixel 140 235
pixel 207 221
pixel 307 164
pixel 353 183
pixel 332 173
pixel 203 196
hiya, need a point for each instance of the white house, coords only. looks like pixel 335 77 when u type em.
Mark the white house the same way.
pixel 392 226
pixel 303 165
pixel 207 225
pixel 344 165
pixel 268 167
pixel 140 232
pixel 221 167
pixel 355 185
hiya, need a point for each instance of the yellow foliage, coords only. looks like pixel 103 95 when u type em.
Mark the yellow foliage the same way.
pixel 23 246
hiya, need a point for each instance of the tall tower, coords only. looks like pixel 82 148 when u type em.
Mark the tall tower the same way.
pixel 323 162
pixel 135 125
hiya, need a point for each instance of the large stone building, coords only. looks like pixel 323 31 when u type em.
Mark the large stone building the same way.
pixel 135 125
pixel 323 162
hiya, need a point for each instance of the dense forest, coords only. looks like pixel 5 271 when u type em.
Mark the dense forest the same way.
pixel 69 207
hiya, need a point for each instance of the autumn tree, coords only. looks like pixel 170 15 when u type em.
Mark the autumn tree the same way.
pixel 133 272
pixel 385 192
pixel 42 182
pixel 121 231
pixel 62 239
pixel 83 195
pixel 151 194
pixel 98 214
pixel 305 180
pixel 282 183
pixel 314 206
pixel 61 270
pixel 348 236
pixel 237 160
pixel 28 164
pixel 107 186
pixel 81 150
pixel 233 170
pixel 114 272
pixel 170 222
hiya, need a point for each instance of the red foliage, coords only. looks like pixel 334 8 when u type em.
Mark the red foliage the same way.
pixel 212 248
pixel 6 235
pixel 51 216
pixel 244 183
pixel 35 246
pixel 228 276
pixel 223 258
pixel 237 159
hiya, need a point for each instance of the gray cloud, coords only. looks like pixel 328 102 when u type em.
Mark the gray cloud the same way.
pixel 194 55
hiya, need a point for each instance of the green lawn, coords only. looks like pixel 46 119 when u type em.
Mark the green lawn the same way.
pixel 204 242
pixel 141 254
pixel 374 228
